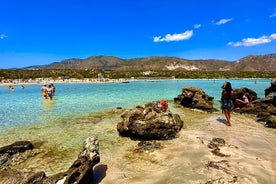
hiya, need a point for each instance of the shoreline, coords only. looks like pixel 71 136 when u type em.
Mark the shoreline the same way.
pixel 19 82
pixel 184 158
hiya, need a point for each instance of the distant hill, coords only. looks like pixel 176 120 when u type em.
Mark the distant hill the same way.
pixel 249 63
pixel 254 63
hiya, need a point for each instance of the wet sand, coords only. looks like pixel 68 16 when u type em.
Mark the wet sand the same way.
pixel 250 148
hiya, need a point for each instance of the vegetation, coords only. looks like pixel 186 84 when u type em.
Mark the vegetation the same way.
pixel 80 74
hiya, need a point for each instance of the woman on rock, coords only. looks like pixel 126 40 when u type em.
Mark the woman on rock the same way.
pixel 246 98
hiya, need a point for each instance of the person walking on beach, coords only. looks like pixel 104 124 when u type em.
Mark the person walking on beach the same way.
pixel 227 102
pixel 44 91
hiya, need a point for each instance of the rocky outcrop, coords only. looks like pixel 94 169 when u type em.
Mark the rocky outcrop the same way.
pixel 238 94
pixel 146 124
pixel 196 98
pixel 80 172
pixel 272 88
pixel 263 108
pixel 8 153
pixel 271 122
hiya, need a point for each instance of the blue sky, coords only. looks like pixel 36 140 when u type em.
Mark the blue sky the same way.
pixel 37 32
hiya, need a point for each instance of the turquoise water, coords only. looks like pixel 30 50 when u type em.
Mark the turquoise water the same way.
pixel 27 106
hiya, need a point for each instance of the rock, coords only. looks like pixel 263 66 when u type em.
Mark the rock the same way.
pixel 263 108
pixel 146 124
pixel 238 93
pixel 81 171
pixel 272 88
pixel 35 178
pixel 8 154
pixel 271 122
pixel 193 97
pixel 215 145
pixel 19 146
pixel 147 146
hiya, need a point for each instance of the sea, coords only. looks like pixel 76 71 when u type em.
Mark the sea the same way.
pixel 25 106
pixel 58 128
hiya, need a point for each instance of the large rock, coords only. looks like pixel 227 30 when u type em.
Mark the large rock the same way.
pixel 196 98
pixel 238 94
pixel 146 124
pixel 81 171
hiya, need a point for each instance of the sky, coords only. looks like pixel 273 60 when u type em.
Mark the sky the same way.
pixel 39 32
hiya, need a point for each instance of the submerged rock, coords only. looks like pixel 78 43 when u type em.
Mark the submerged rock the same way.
pixel 263 108
pixel 147 124
pixel 11 153
pixel 147 146
pixel 19 146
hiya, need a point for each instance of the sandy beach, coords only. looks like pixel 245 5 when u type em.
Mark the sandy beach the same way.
pixel 249 151
pixel 42 81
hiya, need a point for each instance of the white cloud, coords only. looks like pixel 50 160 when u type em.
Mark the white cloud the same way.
pixel 2 36
pixel 223 21
pixel 254 41
pixel 196 26
pixel 174 37
pixel 273 15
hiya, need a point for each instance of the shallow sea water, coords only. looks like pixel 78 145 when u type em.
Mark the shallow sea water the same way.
pixel 58 129
pixel 24 107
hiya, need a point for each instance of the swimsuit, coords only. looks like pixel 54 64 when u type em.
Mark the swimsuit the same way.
pixel 227 104
pixel 245 99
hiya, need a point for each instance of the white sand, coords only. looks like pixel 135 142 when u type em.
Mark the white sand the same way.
pixel 251 146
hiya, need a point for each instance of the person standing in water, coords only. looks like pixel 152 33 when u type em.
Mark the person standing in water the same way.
pixel 50 91
pixel 44 91
pixel 227 102
pixel 54 89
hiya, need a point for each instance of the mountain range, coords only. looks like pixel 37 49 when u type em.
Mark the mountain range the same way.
pixel 250 63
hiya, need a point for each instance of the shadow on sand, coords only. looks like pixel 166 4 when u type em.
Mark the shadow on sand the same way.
pixel 99 173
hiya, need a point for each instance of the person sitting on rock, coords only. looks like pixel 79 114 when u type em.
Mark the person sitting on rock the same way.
pixel 246 99
pixel 160 106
